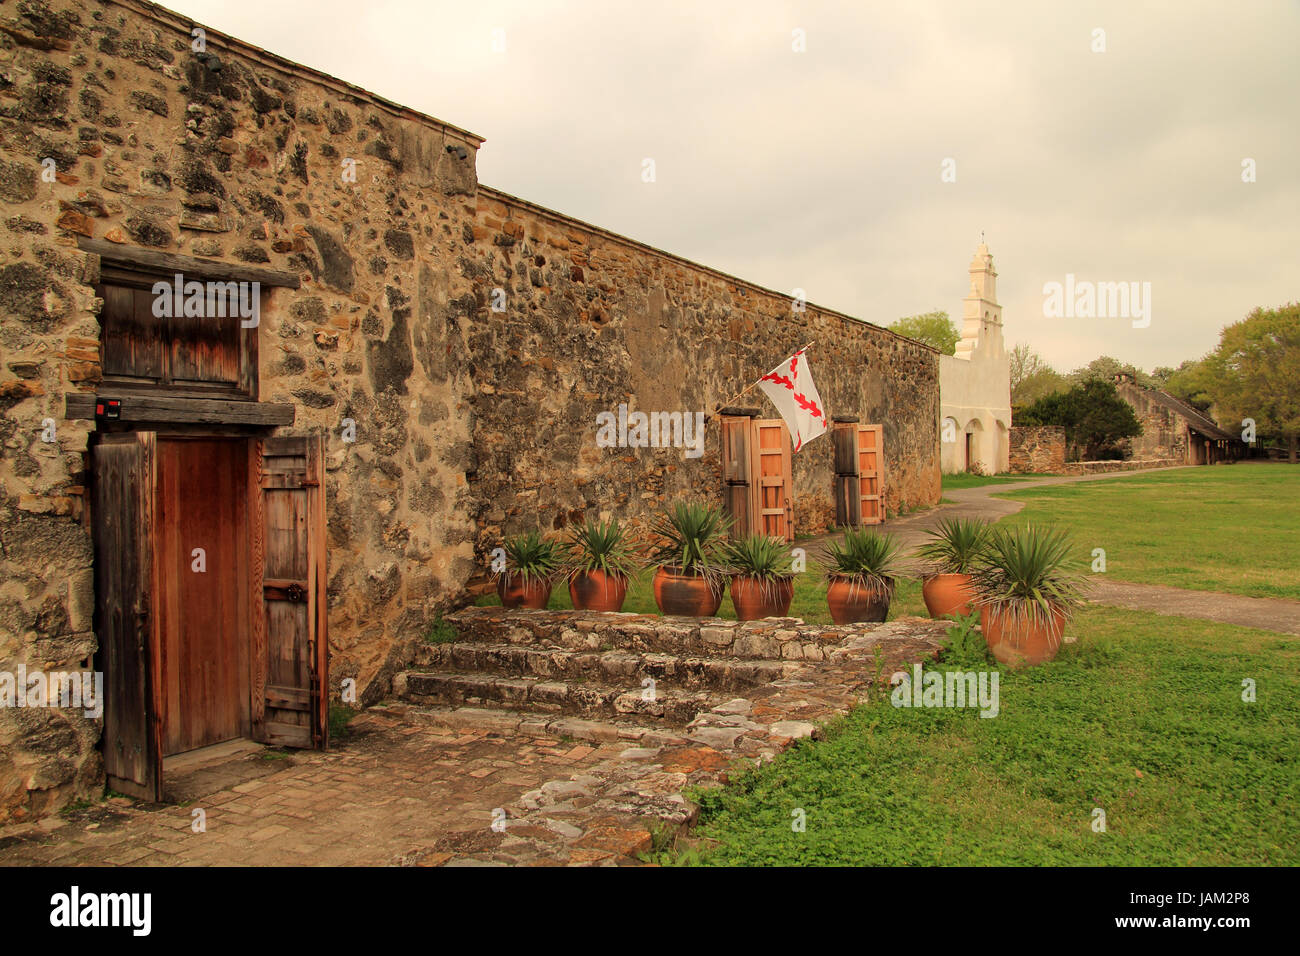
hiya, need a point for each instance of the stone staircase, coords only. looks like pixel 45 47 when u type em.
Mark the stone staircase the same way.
pixel 604 667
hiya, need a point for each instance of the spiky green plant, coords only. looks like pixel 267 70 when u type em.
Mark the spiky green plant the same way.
pixel 759 556
pixel 531 557
pixel 866 557
pixel 600 546
pixel 1028 573
pixel 692 532
pixel 955 545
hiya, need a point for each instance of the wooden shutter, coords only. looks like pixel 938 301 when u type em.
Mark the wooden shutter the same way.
pixel 871 473
pixel 125 479
pixel 290 653
pixel 737 490
pixel 848 493
pixel 774 479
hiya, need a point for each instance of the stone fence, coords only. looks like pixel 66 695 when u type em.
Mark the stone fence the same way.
pixel 1102 467
pixel 1037 450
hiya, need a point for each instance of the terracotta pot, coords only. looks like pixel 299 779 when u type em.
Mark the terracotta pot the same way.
pixel 757 598
pixel 851 603
pixel 1020 641
pixel 516 592
pixel 686 595
pixel 948 594
pixel 597 591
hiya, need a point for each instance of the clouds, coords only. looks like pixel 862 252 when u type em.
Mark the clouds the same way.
pixel 821 170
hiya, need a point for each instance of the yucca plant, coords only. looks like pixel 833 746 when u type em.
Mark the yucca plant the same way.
pixel 955 545
pixel 600 546
pixel 692 533
pixel 759 556
pixel 531 557
pixel 1027 573
pixel 867 558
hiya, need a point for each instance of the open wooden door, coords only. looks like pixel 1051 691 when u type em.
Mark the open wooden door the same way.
pixel 737 490
pixel 774 484
pixel 871 473
pixel 290 653
pixel 125 480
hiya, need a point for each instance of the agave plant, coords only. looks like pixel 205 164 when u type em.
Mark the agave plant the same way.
pixel 692 533
pixel 759 556
pixel 531 557
pixel 600 546
pixel 866 558
pixel 955 546
pixel 1027 573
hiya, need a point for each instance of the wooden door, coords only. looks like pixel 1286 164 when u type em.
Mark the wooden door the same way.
pixel 202 601
pixel 289 636
pixel 773 486
pixel 124 477
pixel 847 486
pixel 871 473
pixel 737 490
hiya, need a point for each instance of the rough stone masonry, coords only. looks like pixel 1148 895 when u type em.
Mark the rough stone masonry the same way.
pixel 471 422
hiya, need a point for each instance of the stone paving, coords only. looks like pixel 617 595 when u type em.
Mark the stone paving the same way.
pixel 381 797
pixel 418 785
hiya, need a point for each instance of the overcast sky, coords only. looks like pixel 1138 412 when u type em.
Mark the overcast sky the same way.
pixel 821 169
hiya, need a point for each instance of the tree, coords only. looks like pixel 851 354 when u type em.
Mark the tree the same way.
pixel 1255 373
pixel 1031 377
pixel 932 328
pixel 1106 368
pixel 1093 415
pixel 1190 382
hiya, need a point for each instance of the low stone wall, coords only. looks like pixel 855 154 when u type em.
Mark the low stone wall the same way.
pixel 1102 467
pixel 1037 450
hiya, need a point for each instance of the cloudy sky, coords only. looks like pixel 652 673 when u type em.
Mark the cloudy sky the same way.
pixel 822 169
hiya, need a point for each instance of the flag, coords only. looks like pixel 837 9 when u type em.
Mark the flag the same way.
pixel 791 389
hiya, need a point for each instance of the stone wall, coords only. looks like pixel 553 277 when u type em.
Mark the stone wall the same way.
pixel 1164 433
pixel 470 423
pixel 1037 449
pixel 1104 467
pixel 594 320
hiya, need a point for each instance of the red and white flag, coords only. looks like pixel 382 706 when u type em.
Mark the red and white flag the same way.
pixel 791 389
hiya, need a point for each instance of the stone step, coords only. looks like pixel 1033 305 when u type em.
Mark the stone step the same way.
pixel 504 721
pixel 781 638
pixel 540 695
pixel 615 667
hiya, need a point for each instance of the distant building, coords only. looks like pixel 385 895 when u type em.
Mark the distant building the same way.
pixel 975 384
pixel 1173 429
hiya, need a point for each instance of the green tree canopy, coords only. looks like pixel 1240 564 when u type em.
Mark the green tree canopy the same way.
pixel 932 328
pixel 1093 415
pixel 1255 373
pixel 1106 368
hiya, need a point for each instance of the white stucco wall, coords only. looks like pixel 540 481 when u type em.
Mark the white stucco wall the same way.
pixel 975 384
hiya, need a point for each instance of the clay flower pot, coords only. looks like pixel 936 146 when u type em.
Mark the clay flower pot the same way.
pixel 757 598
pixel 597 591
pixel 517 591
pixel 851 602
pixel 946 594
pixel 686 595
pixel 1018 640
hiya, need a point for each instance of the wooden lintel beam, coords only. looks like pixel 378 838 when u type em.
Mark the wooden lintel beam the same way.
pixel 169 263
pixel 204 411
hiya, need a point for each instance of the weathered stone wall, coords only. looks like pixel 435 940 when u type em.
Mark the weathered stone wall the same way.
pixel 240 160
pixel 1164 433
pixel 470 423
pixel 594 320
pixel 1037 449
pixel 1105 467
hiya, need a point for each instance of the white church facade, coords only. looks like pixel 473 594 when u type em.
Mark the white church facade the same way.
pixel 975 384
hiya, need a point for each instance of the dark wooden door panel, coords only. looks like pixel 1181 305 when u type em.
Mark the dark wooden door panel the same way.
pixel 289 643
pixel 124 478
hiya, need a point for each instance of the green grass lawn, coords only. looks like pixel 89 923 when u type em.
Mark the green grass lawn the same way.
pixel 1233 528
pixel 1142 718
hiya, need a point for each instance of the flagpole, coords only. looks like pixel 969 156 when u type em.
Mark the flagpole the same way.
pixel 722 405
